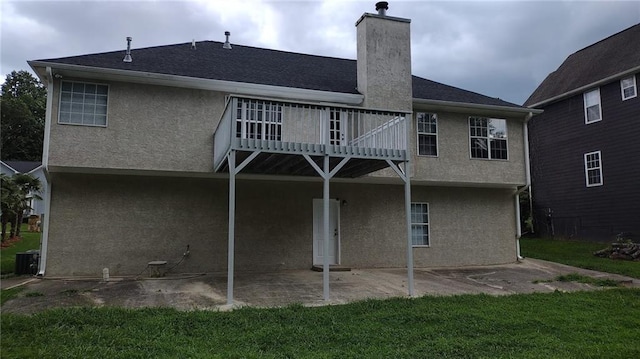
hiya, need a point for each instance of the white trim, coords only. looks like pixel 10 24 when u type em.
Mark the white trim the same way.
pixel 418 133
pixel 454 106
pixel 106 120
pixel 586 87
pixel 635 88
pixel 428 224
pixel 240 88
pixel 584 100
pixel 598 168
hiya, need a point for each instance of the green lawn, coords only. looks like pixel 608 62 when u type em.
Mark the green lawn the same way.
pixel 577 254
pixel 30 240
pixel 596 324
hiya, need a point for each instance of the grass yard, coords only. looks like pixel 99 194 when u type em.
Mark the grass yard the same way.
pixel 598 324
pixel 30 240
pixel 577 254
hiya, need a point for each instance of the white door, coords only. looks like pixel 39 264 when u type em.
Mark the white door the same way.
pixel 318 232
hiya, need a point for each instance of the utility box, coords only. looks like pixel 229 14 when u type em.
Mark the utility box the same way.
pixel 27 262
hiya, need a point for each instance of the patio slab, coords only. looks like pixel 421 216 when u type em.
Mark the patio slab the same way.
pixel 273 289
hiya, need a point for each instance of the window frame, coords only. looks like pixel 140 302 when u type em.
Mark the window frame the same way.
pixel 596 168
pixel 584 98
pixel 488 138
pixel 634 86
pixel 427 224
pixel 418 134
pixel 106 114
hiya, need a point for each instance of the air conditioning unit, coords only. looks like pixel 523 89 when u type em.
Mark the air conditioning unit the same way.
pixel 27 262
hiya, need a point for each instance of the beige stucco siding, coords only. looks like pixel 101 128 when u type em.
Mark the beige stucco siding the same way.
pixel 123 222
pixel 148 128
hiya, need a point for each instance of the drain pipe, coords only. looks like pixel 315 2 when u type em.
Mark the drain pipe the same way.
pixel 527 170
pixel 44 234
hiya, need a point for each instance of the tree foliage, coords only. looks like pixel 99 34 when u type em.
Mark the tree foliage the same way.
pixel 15 196
pixel 23 107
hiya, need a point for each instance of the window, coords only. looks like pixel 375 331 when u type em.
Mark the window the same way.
pixel 488 138
pixel 593 168
pixel 420 224
pixel 592 110
pixel 427 134
pixel 628 88
pixel 83 104
pixel 261 120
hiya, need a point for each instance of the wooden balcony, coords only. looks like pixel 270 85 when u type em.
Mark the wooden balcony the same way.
pixel 283 136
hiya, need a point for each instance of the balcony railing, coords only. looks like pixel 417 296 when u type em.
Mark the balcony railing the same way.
pixel 290 127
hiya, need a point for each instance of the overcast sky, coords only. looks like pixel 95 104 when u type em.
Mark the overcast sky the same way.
pixel 498 48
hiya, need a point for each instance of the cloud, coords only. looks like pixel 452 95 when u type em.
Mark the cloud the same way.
pixel 500 49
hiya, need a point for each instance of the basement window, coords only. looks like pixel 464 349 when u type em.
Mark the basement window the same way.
pixel 420 224
pixel 592 108
pixel 83 104
pixel 628 88
pixel 427 134
pixel 593 168
pixel 488 138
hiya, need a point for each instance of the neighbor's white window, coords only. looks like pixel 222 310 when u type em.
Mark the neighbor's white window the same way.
pixel 83 104
pixel 427 134
pixel 593 168
pixel 488 137
pixel 260 120
pixel 628 88
pixel 420 224
pixel 592 108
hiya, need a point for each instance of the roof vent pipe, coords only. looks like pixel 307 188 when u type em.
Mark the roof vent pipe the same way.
pixel 127 57
pixel 193 44
pixel 227 45
pixel 382 7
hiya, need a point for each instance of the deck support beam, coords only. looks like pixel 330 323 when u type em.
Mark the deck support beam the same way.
pixel 406 177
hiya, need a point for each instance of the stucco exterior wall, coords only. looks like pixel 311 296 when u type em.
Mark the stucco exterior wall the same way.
pixel 454 162
pixel 123 222
pixel 148 128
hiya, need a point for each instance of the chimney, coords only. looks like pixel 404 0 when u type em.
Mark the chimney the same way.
pixel 384 60
pixel 227 44
pixel 127 56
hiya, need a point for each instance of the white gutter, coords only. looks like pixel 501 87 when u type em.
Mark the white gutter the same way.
pixel 586 87
pixel 44 241
pixel 527 170
pixel 240 88
pixel 474 106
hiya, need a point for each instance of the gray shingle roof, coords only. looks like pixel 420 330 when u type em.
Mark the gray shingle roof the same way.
pixel 23 166
pixel 262 66
pixel 608 57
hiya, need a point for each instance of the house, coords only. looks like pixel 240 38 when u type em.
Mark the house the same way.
pixel 34 169
pixel 584 147
pixel 225 157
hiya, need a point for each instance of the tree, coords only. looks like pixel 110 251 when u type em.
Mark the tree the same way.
pixel 16 193
pixel 23 109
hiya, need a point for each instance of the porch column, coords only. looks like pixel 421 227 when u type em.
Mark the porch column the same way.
pixel 232 223
pixel 325 254
pixel 407 208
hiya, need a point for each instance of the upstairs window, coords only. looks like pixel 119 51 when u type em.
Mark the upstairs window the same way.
pixel 488 138
pixel 593 168
pixel 420 224
pixel 592 109
pixel 628 88
pixel 260 120
pixel 427 134
pixel 83 104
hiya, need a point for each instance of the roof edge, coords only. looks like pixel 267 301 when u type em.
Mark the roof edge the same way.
pixel 585 87
pixel 475 106
pixel 11 168
pixel 242 88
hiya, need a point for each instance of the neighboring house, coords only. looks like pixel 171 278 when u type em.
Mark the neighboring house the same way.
pixel 34 169
pixel 141 157
pixel 585 153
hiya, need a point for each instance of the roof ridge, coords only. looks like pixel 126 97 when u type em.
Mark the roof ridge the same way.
pixel 605 39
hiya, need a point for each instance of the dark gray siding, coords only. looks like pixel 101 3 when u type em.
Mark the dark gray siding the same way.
pixel 559 138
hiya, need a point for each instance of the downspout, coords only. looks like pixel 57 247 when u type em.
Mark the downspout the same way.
pixel 44 241
pixel 527 170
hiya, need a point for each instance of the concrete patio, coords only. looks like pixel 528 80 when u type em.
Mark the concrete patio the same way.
pixel 273 289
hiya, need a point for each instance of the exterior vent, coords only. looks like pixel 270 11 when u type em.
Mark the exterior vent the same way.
pixel 382 7
pixel 127 57
pixel 227 44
